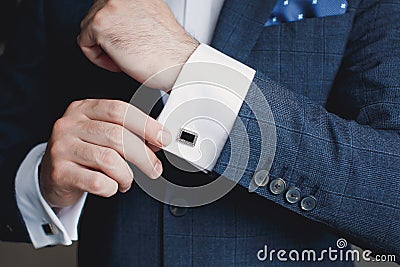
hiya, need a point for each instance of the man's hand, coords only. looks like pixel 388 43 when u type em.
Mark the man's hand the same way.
pixel 140 37
pixel 86 150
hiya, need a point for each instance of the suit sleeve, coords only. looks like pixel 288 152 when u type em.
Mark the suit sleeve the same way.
pixel 345 155
pixel 23 70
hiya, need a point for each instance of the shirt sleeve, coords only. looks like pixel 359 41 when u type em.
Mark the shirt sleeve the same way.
pixel 44 226
pixel 204 104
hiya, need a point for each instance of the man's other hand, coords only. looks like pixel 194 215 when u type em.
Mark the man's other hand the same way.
pixel 140 38
pixel 86 151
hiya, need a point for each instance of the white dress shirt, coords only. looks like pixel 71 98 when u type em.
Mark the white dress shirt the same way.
pixel 199 18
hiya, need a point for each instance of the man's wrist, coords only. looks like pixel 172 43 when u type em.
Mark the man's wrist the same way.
pixel 178 56
pixel 190 45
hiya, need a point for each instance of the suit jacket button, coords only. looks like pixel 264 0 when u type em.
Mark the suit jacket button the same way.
pixel 261 178
pixel 277 186
pixel 308 203
pixel 177 211
pixel 293 195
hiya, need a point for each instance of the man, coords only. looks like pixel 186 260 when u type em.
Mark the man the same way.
pixel 329 79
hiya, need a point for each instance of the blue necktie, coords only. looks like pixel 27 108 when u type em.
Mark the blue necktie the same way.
pixel 294 10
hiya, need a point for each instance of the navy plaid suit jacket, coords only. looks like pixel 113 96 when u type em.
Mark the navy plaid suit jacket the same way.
pixel 333 86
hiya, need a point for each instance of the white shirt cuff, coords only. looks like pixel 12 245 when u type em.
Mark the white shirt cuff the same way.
pixel 203 105
pixel 61 228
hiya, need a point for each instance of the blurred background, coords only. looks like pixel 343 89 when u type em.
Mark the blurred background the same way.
pixel 8 9
pixel 23 255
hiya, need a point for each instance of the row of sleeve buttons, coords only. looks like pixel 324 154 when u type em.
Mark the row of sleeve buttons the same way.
pixel 278 186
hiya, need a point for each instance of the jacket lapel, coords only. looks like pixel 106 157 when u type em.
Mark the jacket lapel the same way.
pixel 239 26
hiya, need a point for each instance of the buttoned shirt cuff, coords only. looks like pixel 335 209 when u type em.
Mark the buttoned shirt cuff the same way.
pixel 203 105
pixel 44 226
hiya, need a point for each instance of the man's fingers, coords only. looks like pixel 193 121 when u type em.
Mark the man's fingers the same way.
pixel 153 147
pixel 104 160
pixel 96 55
pixel 136 151
pixel 89 43
pixel 133 119
pixel 146 127
pixel 127 144
pixel 110 135
pixel 104 125
pixel 91 181
pixel 104 134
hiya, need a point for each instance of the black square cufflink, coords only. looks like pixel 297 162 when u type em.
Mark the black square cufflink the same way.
pixel 48 229
pixel 187 137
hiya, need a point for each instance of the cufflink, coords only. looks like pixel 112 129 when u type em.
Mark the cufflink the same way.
pixel 48 229
pixel 187 137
